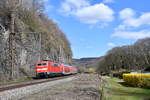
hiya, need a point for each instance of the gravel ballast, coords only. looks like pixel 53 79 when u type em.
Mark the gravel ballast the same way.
pixel 82 87
pixel 19 93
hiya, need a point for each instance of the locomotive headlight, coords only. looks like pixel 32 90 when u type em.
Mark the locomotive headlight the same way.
pixel 38 69
pixel 44 69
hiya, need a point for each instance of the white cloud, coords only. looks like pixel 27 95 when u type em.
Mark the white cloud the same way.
pixel 71 6
pixel 108 1
pixel 103 25
pixel 130 20
pixel 86 12
pixel 120 27
pixel 99 25
pixel 144 19
pixel 95 13
pixel 111 44
pixel 127 13
pixel 132 35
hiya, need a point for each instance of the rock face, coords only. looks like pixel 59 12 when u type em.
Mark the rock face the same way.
pixel 36 38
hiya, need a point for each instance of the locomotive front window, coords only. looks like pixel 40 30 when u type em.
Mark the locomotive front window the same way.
pixel 42 64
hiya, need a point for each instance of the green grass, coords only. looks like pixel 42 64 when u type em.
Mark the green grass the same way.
pixel 115 90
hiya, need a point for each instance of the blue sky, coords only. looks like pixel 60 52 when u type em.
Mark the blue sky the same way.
pixel 95 26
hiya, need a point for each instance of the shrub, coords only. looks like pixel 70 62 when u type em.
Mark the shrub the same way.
pixel 90 70
pixel 119 74
pixel 137 80
pixel 81 69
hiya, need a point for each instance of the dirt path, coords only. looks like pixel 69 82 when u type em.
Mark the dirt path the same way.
pixel 83 87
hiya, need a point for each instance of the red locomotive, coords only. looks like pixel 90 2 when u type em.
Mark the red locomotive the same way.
pixel 48 69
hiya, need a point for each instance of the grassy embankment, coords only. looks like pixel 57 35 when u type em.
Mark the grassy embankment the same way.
pixel 115 89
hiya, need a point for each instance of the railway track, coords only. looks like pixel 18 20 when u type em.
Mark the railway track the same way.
pixel 33 82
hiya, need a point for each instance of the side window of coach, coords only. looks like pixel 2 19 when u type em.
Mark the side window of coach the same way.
pixel 56 65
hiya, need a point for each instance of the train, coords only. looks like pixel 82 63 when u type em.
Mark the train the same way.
pixel 47 69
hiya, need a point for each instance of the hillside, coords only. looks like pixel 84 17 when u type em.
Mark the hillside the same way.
pixel 26 36
pixel 85 62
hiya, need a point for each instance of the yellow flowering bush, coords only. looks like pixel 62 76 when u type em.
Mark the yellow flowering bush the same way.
pixel 138 80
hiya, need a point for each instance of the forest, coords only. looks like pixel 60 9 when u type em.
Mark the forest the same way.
pixel 134 57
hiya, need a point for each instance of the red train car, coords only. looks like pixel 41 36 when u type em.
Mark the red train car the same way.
pixel 66 69
pixel 48 68
pixel 73 70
